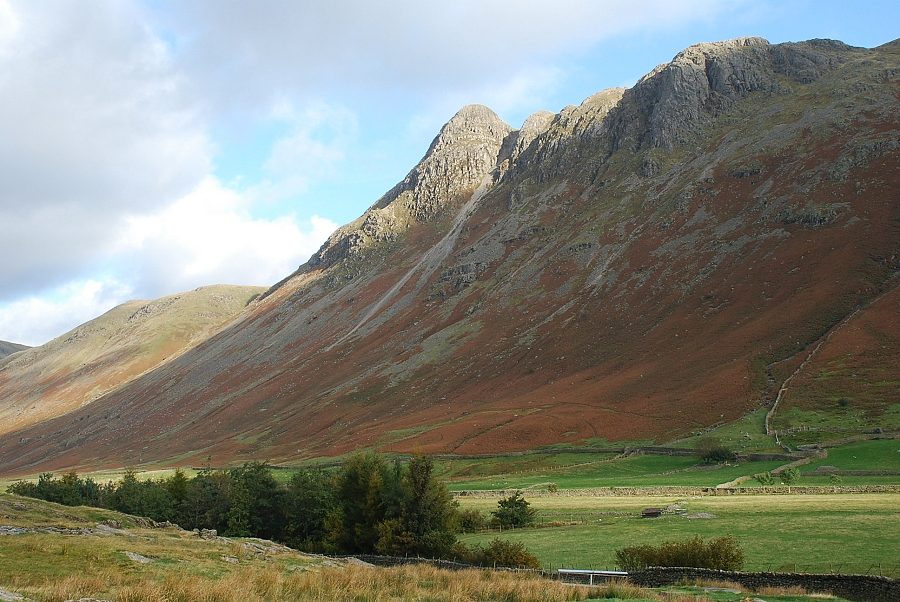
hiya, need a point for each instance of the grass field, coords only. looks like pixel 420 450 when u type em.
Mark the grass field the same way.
pixel 813 533
pixel 880 454
pixel 745 434
pixel 92 560
pixel 635 471
pixel 569 469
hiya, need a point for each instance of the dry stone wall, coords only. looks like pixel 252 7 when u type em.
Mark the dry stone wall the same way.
pixel 865 588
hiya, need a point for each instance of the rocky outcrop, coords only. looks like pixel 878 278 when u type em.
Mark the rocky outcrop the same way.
pixel 665 108
pixel 668 106
pixel 464 152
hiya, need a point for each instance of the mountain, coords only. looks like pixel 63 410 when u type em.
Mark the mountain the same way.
pixel 7 348
pixel 644 265
pixel 82 365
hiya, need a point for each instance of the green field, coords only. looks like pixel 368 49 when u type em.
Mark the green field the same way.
pixel 881 454
pixel 634 471
pixel 811 533
pixel 584 470
pixel 746 434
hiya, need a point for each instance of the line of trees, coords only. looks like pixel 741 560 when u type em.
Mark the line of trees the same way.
pixel 368 505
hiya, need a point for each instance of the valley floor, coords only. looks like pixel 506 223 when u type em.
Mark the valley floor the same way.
pixel 53 553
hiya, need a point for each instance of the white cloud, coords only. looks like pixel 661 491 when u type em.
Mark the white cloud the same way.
pixel 34 320
pixel 9 25
pixel 97 123
pixel 205 237
pixel 209 237
pixel 400 48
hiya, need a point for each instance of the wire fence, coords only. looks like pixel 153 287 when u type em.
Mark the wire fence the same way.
pixel 818 568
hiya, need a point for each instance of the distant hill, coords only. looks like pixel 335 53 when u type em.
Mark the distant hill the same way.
pixel 7 348
pixel 76 368
pixel 645 265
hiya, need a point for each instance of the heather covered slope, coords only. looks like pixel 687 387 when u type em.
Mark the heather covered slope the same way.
pixel 7 348
pixel 80 366
pixel 637 267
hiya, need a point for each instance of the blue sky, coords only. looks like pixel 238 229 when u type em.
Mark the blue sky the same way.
pixel 153 147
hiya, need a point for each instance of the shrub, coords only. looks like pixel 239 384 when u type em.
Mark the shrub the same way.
pixel 514 554
pixel 712 451
pixel 722 553
pixel 789 476
pixel 765 478
pixel 471 520
pixel 498 553
pixel 513 511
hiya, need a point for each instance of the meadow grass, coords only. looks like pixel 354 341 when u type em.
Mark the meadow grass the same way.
pixel 345 582
pixel 746 434
pixel 569 470
pixel 812 533
pixel 634 471
pixel 879 454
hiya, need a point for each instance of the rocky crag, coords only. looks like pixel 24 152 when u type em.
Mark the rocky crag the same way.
pixel 646 264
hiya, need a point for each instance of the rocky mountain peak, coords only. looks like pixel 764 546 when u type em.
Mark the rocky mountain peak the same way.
pixel 472 122
pixel 669 105
pixel 535 125
pixel 462 155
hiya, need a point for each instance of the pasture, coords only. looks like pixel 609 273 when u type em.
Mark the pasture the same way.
pixel 808 533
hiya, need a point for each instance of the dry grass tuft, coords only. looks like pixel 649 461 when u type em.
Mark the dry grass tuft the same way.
pixel 715 583
pixel 795 590
pixel 73 587
pixel 372 584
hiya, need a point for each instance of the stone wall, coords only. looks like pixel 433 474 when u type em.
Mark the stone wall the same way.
pixel 862 588
pixel 677 491
pixel 865 588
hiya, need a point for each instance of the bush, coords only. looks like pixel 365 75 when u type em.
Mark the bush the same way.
pixel 712 451
pixel 789 476
pixel 498 553
pixel 513 511
pixel 765 478
pixel 513 554
pixel 471 520
pixel 722 553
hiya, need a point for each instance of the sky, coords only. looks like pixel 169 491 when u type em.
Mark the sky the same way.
pixel 149 147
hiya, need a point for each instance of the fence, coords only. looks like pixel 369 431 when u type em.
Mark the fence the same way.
pixel 888 570
pixel 864 587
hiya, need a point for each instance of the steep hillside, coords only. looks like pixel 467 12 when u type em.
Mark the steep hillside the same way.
pixel 7 348
pixel 639 266
pixel 80 366
pixel 851 381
